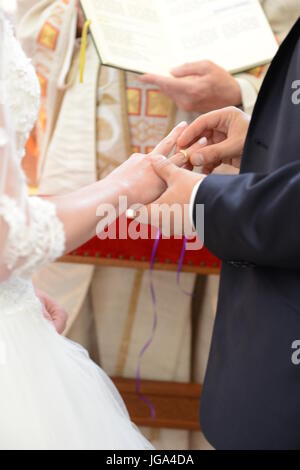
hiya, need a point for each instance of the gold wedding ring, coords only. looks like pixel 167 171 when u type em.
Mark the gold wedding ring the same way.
pixel 185 154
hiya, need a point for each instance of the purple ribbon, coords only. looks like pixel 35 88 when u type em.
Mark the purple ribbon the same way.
pixel 155 317
pixel 154 327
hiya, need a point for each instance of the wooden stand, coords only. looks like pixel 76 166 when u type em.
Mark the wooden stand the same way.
pixel 176 404
pixel 143 265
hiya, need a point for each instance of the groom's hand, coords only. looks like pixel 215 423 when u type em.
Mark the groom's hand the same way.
pixel 179 187
pixel 215 138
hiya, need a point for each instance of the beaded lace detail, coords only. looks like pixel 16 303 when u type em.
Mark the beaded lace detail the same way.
pixel 31 245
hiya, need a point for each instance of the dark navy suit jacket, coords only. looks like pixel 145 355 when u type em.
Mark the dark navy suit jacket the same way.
pixel 251 394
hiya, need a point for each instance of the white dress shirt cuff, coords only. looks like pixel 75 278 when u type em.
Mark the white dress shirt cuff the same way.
pixel 192 201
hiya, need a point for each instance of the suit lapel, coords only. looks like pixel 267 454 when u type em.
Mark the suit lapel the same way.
pixel 272 89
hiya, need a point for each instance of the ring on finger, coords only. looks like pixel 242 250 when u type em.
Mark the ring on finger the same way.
pixel 185 154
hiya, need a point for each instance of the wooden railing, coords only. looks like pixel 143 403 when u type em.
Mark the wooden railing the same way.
pixel 176 404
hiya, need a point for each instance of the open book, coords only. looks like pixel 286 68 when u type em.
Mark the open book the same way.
pixel 153 36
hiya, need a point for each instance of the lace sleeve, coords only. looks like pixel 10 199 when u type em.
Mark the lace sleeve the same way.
pixel 30 232
pixel 34 240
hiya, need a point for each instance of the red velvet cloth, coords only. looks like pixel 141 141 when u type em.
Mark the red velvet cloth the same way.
pixel 141 250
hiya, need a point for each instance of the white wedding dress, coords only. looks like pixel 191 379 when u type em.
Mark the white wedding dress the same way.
pixel 52 396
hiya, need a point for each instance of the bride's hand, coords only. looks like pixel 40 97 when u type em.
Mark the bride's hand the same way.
pixel 53 312
pixel 136 177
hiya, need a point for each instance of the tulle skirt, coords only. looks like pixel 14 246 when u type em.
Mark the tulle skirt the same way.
pixel 52 396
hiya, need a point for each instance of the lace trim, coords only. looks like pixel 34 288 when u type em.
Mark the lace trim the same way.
pixel 32 244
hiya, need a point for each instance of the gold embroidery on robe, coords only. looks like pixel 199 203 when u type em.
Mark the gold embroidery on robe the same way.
pixel 48 36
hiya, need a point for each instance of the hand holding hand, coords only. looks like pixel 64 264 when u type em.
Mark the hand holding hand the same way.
pixel 179 187
pixel 215 138
pixel 53 311
pixel 136 177
pixel 199 87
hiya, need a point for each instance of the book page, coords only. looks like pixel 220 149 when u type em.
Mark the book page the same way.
pixel 156 35
pixel 234 34
pixel 129 34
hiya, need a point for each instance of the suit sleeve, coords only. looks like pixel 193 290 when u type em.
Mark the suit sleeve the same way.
pixel 253 218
